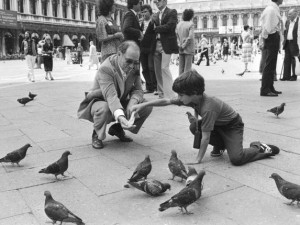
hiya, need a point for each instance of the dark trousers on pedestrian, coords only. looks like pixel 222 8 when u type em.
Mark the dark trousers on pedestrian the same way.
pixel 148 71
pixel 206 56
pixel 230 137
pixel 289 62
pixel 80 60
pixel 271 48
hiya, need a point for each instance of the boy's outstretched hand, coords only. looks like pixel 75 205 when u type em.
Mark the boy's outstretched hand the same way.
pixel 135 108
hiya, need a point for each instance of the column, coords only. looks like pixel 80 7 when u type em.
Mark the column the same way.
pixel 1 7
pixel 118 19
pixel 250 20
pixel 26 6
pixel 220 17
pixel 85 14
pixel 230 22
pixel 210 22
pixel 69 10
pixel 240 21
pixel 200 22
pixel 59 13
pixel 93 13
pixel 14 6
pixel 50 8
pixel 39 7
pixel 77 10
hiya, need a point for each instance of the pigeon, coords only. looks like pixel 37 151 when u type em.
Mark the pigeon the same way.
pixel 191 118
pixel 31 95
pixel 186 196
pixel 192 174
pixel 277 110
pixel 289 190
pixel 151 187
pixel 24 101
pixel 176 166
pixel 142 170
pixel 222 71
pixel 16 156
pixel 56 211
pixel 59 167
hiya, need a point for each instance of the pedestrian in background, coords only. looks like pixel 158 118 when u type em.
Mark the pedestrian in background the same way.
pixel 39 56
pixel 48 59
pixel 107 31
pixel 185 39
pixel 79 53
pixel 93 58
pixel 225 50
pixel 68 55
pixel 29 48
pixel 247 38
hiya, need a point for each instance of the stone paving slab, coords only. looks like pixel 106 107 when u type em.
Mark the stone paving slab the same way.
pixel 20 219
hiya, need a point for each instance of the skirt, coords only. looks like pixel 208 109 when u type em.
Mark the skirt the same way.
pixel 48 63
pixel 246 52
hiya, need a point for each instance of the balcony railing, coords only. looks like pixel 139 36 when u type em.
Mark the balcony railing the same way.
pixel 54 20
pixel 216 30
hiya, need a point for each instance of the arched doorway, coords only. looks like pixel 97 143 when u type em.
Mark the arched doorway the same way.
pixel 75 40
pixel 83 42
pixel 8 43
pixel 56 40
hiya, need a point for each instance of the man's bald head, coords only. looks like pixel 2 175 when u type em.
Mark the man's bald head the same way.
pixel 292 14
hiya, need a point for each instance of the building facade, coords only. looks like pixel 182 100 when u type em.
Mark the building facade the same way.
pixel 225 18
pixel 57 18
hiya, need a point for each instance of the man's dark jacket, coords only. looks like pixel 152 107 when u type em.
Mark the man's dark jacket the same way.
pixel 131 28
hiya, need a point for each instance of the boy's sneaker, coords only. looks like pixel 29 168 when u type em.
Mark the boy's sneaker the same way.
pixel 269 149
pixel 216 152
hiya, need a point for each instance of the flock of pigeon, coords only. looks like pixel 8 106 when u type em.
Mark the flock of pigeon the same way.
pixel 56 211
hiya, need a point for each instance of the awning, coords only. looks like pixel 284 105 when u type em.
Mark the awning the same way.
pixel 83 37
pixel 74 37
pixel 56 36
pixel 34 35
pixel 67 41
pixel 7 34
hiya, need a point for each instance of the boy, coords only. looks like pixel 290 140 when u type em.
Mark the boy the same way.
pixel 220 125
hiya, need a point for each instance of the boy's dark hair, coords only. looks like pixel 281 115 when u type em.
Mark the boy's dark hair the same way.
pixel 131 3
pixel 104 7
pixel 187 14
pixel 148 7
pixel 246 27
pixel 189 83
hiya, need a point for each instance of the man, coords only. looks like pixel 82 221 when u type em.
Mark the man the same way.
pixel 270 23
pixel 116 89
pixel 204 50
pixel 29 48
pixel 79 53
pixel 165 22
pixel 131 28
pixel 93 58
pixel 290 45
pixel 147 46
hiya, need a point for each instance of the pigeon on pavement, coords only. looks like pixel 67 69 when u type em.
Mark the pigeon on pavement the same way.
pixel 151 187
pixel 142 170
pixel 59 167
pixel 176 167
pixel 287 189
pixel 191 118
pixel 24 101
pixel 56 211
pixel 277 110
pixel 222 71
pixel 186 196
pixel 16 156
pixel 192 174
pixel 31 95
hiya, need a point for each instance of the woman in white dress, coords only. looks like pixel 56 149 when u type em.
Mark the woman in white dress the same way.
pixel 93 59
pixel 246 48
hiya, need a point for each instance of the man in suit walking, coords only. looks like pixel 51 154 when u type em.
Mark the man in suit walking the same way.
pixel 165 21
pixel 290 45
pixel 131 28
pixel 116 89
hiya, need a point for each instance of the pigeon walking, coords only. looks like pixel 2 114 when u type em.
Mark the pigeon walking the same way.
pixel 56 211
pixel 16 156
pixel 287 189
pixel 186 196
pixel 142 170
pixel 192 119
pixel 24 101
pixel 59 167
pixel 176 167
pixel 151 187
pixel 31 95
pixel 222 71
pixel 277 110
pixel 192 174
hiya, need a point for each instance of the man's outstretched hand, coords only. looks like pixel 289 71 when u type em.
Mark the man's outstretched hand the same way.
pixel 125 123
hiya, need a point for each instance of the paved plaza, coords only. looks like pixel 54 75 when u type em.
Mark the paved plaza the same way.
pixel 94 189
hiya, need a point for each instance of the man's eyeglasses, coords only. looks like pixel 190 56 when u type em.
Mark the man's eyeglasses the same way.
pixel 132 62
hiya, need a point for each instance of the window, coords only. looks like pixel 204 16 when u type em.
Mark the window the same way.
pixel 215 22
pixel 204 20
pixel 82 11
pixel 234 20
pixel 195 21
pixel 6 4
pixel 73 9
pixel 90 11
pixel 54 7
pixel 224 20
pixel 64 9
pixel 21 6
pixel 245 19
pixel 32 6
pixel 44 7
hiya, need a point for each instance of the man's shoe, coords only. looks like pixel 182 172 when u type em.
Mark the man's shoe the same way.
pixel 294 78
pixel 117 130
pixel 96 143
pixel 155 93
pixel 216 152
pixel 270 94
pixel 277 92
pixel 284 79
pixel 269 149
